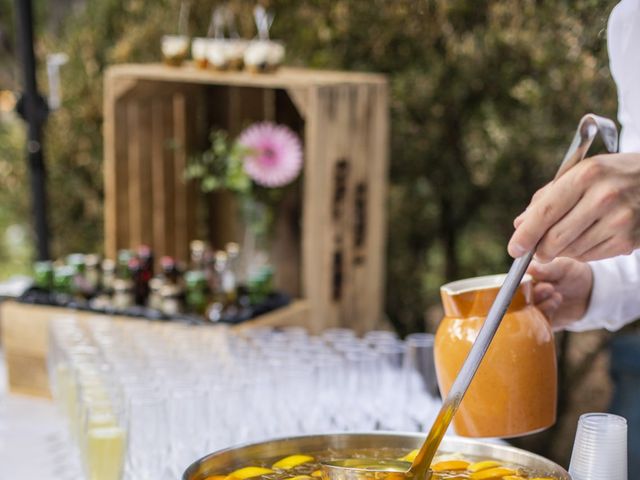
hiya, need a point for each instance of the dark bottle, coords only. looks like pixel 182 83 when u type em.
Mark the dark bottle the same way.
pixel 140 287
pixel 145 255
pixel 170 270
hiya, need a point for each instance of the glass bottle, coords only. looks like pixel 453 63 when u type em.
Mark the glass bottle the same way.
pixel 171 295
pixel 43 275
pixel 79 284
pixel 198 250
pixel 108 276
pixel 145 256
pixel 123 294
pixel 170 270
pixel 92 274
pixel 122 264
pixel 196 291
pixel 154 300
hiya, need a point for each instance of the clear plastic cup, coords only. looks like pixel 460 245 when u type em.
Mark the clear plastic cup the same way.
pixel 600 448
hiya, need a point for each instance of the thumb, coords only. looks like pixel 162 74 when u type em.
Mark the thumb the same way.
pixel 547 272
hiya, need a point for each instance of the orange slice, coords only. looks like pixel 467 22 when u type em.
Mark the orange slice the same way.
pixel 476 467
pixel 248 472
pixel 449 465
pixel 292 461
pixel 496 472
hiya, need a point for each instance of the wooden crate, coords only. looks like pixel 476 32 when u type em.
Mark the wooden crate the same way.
pixel 330 241
pixel 24 331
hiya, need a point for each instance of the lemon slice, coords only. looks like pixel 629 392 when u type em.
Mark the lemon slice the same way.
pixel 410 457
pixel 248 472
pixel 449 465
pixel 476 467
pixel 291 461
pixel 316 473
pixel 497 472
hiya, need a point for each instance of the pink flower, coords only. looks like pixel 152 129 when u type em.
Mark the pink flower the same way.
pixel 275 157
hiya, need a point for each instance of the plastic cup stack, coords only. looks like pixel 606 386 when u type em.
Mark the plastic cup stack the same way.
pixel 600 448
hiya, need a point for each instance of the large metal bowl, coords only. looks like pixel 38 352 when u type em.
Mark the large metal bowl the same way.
pixel 232 458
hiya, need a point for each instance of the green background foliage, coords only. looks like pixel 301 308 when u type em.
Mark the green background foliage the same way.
pixel 485 98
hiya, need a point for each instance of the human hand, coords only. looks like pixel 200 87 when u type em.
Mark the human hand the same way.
pixel 589 213
pixel 562 290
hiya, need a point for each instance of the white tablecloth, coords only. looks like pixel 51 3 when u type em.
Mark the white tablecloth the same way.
pixel 33 442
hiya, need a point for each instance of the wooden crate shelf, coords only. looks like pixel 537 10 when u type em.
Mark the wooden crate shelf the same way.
pixel 330 240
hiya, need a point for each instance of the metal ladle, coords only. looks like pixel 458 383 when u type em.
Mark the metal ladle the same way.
pixel 359 468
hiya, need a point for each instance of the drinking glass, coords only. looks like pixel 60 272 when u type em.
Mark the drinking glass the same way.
pixel 600 448
pixel 148 436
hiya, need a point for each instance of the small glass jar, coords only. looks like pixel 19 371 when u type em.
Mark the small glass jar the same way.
pixel 175 49
pixel 199 48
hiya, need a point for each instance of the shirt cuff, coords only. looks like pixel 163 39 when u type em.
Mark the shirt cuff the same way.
pixel 614 294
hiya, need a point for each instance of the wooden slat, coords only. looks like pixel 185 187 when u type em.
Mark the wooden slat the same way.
pixel 362 152
pixel 193 143
pixel 116 180
pixel 145 203
pixel 316 278
pixel 160 131
pixel 295 314
pixel 181 246
pixel 283 78
pixel 134 144
pixel 110 179
pixel 376 203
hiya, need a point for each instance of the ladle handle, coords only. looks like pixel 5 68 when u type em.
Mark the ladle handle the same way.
pixel 588 127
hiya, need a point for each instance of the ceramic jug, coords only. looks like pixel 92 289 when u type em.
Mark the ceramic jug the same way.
pixel 514 391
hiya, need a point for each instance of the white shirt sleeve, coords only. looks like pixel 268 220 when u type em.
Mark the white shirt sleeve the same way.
pixel 623 32
pixel 615 297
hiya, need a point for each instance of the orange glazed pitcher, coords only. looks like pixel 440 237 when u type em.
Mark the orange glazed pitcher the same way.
pixel 514 391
